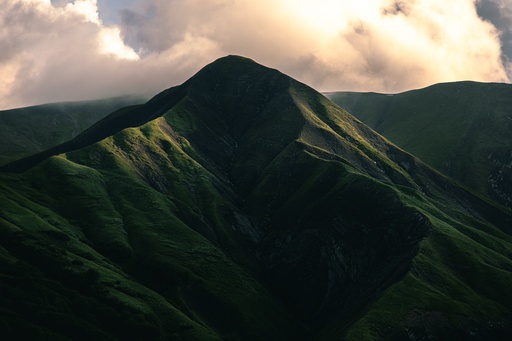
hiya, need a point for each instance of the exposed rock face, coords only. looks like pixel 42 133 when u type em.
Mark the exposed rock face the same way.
pixel 500 178
pixel 428 325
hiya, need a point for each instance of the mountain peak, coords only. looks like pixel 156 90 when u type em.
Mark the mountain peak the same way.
pixel 233 58
pixel 243 204
pixel 232 68
pixel 233 61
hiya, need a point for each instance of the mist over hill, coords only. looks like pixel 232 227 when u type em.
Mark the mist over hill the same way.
pixel 25 131
pixel 244 205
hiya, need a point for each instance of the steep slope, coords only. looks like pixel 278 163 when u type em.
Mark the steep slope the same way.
pixel 25 131
pixel 462 129
pixel 245 205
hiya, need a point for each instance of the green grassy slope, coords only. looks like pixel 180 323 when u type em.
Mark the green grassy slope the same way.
pixel 245 205
pixel 161 276
pixel 25 131
pixel 462 129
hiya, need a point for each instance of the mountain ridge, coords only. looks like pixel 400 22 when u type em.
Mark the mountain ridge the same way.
pixel 24 131
pixel 460 128
pixel 247 205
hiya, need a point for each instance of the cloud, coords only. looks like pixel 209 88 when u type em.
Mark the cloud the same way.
pixel 416 43
pixel 365 45
pixel 499 14
pixel 54 51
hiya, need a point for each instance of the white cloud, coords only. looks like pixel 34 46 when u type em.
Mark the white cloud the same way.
pixel 111 43
pixel 377 45
pixel 88 9
pixel 65 51
pixel 55 53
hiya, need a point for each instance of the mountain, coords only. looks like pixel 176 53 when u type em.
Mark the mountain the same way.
pixel 463 129
pixel 25 131
pixel 244 205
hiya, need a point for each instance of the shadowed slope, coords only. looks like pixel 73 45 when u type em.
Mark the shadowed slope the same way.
pixel 243 204
pixel 463 129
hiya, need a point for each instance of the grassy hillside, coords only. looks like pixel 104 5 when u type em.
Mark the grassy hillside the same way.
pixel 25 131
pixel 462 129
pixel 243 205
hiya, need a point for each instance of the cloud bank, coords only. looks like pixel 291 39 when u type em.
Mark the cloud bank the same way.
pixel 62 50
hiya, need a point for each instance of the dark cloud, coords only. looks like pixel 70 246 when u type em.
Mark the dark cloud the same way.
pixel 499 13
pixel 133 30
pixel 398 7
pixel 59 3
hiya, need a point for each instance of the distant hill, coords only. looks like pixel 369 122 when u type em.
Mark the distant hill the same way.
pixel 25 131
pixel 244 205
pixel 463 129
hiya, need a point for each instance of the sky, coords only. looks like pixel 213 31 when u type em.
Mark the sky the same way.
pixel 60 50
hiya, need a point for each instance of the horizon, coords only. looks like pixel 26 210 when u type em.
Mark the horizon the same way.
pixel 147 96
pixel 78 50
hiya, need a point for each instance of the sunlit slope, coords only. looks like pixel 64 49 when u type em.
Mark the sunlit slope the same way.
pixel 245 205
pixel 29 130
pixel 136 254
pixel 463 129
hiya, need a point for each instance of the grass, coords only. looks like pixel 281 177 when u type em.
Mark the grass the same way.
pixel 461 128
pixel 451 274
pixel 25 131
pixel 252 209
pixel 111 192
